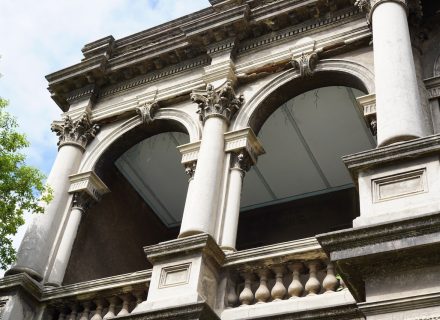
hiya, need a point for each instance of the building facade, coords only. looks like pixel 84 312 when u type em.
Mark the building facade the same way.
pixel 257 159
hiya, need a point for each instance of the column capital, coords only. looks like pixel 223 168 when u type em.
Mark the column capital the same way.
pixel 190 169
pixel 223 102
pixel 82 201
pixel 370 5
pixel 241 161
pixel 75 132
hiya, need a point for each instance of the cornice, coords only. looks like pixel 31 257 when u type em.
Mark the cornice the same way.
pixel 409 149
pixel 197 243
pixel 142 57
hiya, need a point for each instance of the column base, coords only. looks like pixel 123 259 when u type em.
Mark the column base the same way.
pixel 189 233
pixel 30 272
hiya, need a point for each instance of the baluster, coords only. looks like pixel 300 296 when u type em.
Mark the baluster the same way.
pixel 139 295
pixel 73 312
pixel 279 290
pixel 86 312
pixel 62 315
pixel 246 296
pixel 262 294
pixel 111 308
pixel 126 298
pixel 330 282
pixel 296 288
pixel 98 312
pixel 312 285
pixel 231 297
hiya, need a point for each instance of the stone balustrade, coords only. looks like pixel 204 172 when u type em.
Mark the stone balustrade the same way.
pixel 291 270
pixel 98 299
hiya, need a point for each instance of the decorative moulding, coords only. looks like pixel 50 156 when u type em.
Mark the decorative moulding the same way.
pixel 189 151
pixel 244 139
pixel 178 247
pixel 405 150
pixel 433 87
pixel 88 182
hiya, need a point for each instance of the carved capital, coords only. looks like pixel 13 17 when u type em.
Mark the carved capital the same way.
pixel 217 103
pixel 241 161
pixel 147 112
pixel 75 132
pixel 190 169
pixel 305 63
pixel 369 6
pixel 82 201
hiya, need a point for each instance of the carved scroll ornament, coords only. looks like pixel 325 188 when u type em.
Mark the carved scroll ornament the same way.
pixel 306 63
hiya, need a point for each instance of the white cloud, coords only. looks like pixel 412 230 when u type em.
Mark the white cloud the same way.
pixel 40 37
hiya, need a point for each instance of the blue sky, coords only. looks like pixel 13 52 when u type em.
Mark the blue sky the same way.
pixel 40 37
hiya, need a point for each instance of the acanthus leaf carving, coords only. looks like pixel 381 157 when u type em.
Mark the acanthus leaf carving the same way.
pixel 82 201
pixel 305 63
pixel 78 132
pixel 190 169
pixel 222 102
pixel 241 161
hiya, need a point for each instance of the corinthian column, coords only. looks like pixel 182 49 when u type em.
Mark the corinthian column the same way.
pixel 35 249
pixel 87 189
pixel 244 148
pixel 400 115
pixel 216 108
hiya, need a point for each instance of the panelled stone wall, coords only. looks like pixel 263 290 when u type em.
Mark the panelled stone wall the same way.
pixel 217 75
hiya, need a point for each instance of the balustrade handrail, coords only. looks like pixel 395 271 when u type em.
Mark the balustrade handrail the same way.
pixel 94 287
pixel 302 249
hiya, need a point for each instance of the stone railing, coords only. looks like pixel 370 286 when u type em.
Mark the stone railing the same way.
pixel 291 270
pixel 98 299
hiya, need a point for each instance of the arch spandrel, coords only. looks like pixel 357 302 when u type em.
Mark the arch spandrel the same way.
pixel 288 84
pixel 165 120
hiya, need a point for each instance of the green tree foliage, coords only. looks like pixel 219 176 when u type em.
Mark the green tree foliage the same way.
pixel 21 186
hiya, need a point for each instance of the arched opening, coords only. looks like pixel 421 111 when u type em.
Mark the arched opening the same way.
pixel 148 187
pixel 301 187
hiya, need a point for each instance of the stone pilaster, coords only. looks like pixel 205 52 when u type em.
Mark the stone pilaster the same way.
pixel 186 272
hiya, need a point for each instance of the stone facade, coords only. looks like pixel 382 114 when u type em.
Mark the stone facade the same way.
pixel 217 75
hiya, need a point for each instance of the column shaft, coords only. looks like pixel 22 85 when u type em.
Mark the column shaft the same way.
pixel 399 111
pixel 34 251
pixel 63 254
pixel 203 196
pixel 232 212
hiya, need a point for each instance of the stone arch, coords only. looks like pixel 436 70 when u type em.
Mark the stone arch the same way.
pixel 132 131
pixel 288 84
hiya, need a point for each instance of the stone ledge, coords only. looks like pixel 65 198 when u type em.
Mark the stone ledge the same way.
pixel 196 311
pixel 361 252
pixel 400 304
pixel 23 281
pixel 395 152
pixel 307 248
pixel 337 305
pixel 178 247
